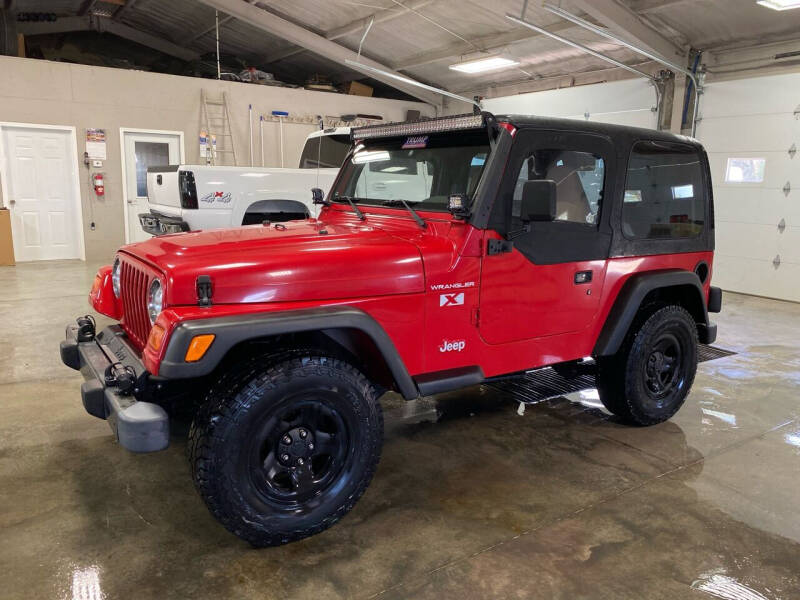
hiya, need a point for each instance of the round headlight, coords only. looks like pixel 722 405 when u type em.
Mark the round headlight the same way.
pixel 155 300
pixel 116 275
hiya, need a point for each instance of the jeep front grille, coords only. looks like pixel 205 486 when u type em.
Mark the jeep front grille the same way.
pixel 133 289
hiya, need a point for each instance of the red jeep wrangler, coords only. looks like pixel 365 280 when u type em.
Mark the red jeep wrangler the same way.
pixel 450 252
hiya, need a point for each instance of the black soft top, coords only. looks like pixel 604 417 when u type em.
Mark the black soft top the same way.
pixel 615 132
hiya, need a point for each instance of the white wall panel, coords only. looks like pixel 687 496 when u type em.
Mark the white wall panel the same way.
pixel 627 102
pixel 754 118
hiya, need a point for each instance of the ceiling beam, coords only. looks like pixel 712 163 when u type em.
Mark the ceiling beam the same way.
pixel 359 25
pixel 149 40
pixel 123 9
pixel 67 24
pixel 380 16
pixel 60 25
pixel 196 36
pixel 486 43
pixel 85 7
pixel 317 44
pixel 643 7
pixel 626 24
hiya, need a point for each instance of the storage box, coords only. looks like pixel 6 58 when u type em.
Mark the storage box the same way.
pixel 354 88
pixel 6 243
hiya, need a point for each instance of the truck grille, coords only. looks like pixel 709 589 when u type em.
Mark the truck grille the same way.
pixel 134 282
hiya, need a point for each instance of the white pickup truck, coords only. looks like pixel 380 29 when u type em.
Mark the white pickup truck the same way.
pixel 191 197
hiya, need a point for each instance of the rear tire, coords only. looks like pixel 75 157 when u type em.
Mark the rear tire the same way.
pixel 647 381
pixel 281 451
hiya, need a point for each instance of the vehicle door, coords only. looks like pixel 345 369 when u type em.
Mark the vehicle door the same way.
pixel 547 280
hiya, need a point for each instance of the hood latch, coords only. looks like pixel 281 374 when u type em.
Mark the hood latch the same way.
pixel 204 290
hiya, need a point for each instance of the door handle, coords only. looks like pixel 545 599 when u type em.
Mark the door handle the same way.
pixel 583 277
pixel 12 201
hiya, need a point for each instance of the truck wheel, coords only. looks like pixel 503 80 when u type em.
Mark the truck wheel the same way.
pixel 282 451
pixel 647 381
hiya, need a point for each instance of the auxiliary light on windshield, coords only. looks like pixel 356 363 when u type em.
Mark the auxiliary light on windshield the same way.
pixel 455 123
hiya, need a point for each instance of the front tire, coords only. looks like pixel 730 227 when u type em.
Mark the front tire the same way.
pixel 282 451
pixel 648 380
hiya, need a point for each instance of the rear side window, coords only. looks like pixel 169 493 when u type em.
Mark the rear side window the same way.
pixel 664 192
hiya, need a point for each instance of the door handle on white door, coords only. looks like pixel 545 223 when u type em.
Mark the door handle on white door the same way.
pixel 12 201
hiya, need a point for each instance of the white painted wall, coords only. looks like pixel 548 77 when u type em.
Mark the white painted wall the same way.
pixel 628 102
pixel 754 118
pixel 45 92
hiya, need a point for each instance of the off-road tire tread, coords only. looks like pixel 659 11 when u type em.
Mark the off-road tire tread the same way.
pixel 234 391
pixel 613 376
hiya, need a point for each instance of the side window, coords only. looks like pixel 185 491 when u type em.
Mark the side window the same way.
pixel 664 192
pixel 579 178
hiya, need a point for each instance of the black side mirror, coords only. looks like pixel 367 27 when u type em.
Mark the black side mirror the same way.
pixel 317 196
pixel 538 200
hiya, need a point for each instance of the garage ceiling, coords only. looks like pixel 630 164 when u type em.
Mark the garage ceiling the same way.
pixel 422 38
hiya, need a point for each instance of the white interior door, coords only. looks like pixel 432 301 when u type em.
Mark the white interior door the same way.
pixel 40 169
pixel 140 151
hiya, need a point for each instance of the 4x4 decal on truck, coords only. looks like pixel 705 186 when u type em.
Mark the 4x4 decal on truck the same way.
pixel 212 197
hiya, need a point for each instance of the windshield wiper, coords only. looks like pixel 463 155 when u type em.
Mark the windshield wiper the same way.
pixel 349 200
pixel 401 202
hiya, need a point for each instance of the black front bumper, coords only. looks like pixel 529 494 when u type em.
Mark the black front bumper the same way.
pixel 158 224
pixel 138 426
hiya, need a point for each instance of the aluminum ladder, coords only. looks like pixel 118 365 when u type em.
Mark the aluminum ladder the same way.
pixel 217 120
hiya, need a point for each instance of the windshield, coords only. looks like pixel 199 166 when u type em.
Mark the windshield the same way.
pixel 325 152
pixel 422 170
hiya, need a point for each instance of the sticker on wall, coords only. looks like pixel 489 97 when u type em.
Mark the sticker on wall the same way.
pixel 96 144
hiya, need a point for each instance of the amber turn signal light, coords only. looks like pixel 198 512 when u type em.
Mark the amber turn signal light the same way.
pixel 199 346
pixel 156 337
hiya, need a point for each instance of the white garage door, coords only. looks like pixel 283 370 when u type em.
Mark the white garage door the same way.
pixel 628 102
pixel 39 172
pixel 750 128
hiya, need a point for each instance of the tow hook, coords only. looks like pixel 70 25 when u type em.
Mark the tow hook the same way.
pixel 86 328
pixel 121 377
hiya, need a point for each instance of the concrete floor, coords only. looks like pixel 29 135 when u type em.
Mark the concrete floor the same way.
pixel 470 499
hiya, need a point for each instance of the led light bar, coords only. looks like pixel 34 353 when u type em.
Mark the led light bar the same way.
pixel 442 124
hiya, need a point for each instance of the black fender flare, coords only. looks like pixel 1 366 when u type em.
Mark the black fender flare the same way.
pixel 630 298
pixel 232 330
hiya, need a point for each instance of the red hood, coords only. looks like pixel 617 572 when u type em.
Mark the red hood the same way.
pixel 267 264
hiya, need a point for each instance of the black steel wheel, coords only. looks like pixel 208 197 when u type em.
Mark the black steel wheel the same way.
pixel 298 451
pixel 649 378
pixel 282 451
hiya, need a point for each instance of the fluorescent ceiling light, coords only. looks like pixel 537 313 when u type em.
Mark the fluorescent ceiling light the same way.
pixel 481 65
pixel 779 4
